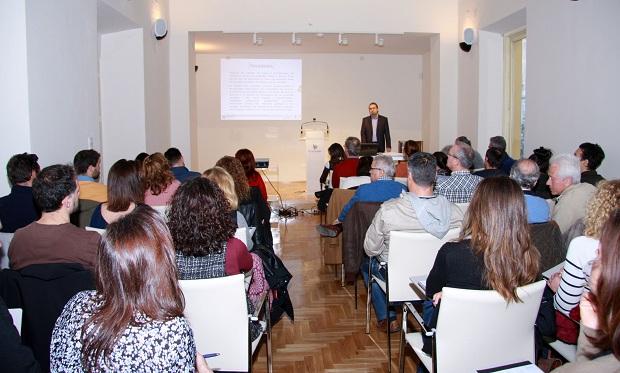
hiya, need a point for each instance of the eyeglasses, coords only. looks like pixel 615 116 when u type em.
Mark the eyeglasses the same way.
pixel 375 168
pixel 452 155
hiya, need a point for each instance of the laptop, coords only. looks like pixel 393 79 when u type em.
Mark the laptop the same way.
pixel 369 149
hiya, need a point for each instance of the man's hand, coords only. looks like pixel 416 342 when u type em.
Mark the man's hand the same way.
pixel 554 281
pixel 587 312
pixel 387 150
pixel 201 364
pixel 436 298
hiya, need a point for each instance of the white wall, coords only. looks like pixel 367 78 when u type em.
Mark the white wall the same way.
pixel 122 96
pixel 14 124
pixel 62 78
pixel 339 97
pixel 573 77
pixel 440 17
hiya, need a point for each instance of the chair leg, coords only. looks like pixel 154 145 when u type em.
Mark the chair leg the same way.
pixel 368 300
pixel 268 320
pixel 342 275
pixel 355 287
pixel 389 336
pixel 403 332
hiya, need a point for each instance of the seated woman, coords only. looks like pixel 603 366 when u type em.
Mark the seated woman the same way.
pixel 571 282
pixel 336 155
pixel 159 182
pixel 494 250
pixel 251 205
pixel 133 321
pixel 124 192
pixel 598 348
pixel 203 235
pixel 246 157
pixel 410 147
pixel 226 183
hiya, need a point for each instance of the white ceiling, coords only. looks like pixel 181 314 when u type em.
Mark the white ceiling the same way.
pixel 241 43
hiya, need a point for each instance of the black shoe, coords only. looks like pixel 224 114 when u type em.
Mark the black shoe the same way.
pixel 329 230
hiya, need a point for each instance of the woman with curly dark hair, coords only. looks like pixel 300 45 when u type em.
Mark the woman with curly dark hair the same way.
pixel 251 204
pixel 246 157
pixel 159 182
pixel 202 232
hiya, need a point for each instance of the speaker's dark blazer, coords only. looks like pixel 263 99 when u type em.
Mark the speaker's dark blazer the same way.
pixel 383 132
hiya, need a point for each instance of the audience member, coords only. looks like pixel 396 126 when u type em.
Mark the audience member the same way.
pixel 494 250
pixel 348 167
pixel 598 347
pixel 251 204
pixel 246 157
pixel 52 238
pixel 381 188
pixel 17 209
pixel 590 158
pixel 336 155
pixel 364 166
pixel 134 320
pixel 225 182
pixel 525 172
pixel 477 162
pixel 87 164
pixel 573 196
pixel 571 282
pixel 15 357
pixel 417 211
pixel 492 162
pixel 124 193
pixel 159 182
pixel 442 164
pixel 177 165
pixel 542 156
pixel 461 184
pixel 499 142
pixel 410 147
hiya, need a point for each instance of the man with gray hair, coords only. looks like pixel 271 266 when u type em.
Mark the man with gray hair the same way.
pixel 348 167
pixel 526 172
pixel 573 196
pixel 381 188
pixel 461 184
pixel 419 210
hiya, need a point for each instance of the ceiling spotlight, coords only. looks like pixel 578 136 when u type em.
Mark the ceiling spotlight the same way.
pixel 378 41
pixel 342 40
pixel 295 40
pixel 257 40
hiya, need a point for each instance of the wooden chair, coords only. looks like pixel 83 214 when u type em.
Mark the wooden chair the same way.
pixel 217 311
pixel 331 247
pixel 411 254
pixel 477 329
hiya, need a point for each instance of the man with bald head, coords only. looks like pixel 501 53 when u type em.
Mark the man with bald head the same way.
pixel 526 172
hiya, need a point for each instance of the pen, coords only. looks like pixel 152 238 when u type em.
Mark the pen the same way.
pixel 206 356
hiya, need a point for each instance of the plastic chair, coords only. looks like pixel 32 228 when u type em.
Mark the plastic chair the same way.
pixel 353 181
pixel 217 311
pixel 411 254
pixel 477 329
pixel 162 211
pixel 93 229
pixel 5 239
pixel 16 315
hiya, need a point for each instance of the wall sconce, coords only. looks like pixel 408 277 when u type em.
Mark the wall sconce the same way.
pixel 257 40
pixel 295 40
pixel 378 41
pixel 160 28
pixel 342 40
pixel 469 38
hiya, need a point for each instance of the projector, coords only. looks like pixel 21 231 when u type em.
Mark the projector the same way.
pixel 262 162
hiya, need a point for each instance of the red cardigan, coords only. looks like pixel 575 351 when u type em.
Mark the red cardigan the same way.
pixel 255 180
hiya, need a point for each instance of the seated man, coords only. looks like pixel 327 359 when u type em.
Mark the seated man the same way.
pixel 478 162
pixel 177 165
pixel 381 188
pixel 417 211
pixel 52 238
pixel 590 157
pixel 461 184
pixel 525 172
pixel 492 161
pixel 348 167
pixel 573 196
pixel 499 143
pixel 17 209
pixel 87 165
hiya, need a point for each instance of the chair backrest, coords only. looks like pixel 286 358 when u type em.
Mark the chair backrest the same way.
pixel 81 217
pixel 5 238
pixel 353 181
pixel 217 311
pixel 162 211
pixel 477 329
pixel 548 240
pixel 93 229
pixel 402 180
pixel 16 315
pixel 412 254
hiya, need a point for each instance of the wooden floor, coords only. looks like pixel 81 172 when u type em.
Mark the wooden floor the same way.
pixel 328 334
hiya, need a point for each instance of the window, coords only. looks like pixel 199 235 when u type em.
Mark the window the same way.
pixel 515 92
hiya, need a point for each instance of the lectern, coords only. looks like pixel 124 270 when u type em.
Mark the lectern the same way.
pixel 313 133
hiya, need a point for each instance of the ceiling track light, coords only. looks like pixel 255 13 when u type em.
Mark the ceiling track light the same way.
pixel 342 40
pixel 378 41
pixel 257 40
pixel 295 40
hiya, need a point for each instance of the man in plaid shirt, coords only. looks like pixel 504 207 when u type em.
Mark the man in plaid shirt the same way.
pixel 460 186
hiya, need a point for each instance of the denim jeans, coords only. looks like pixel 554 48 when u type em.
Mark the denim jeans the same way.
pixel 378 296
